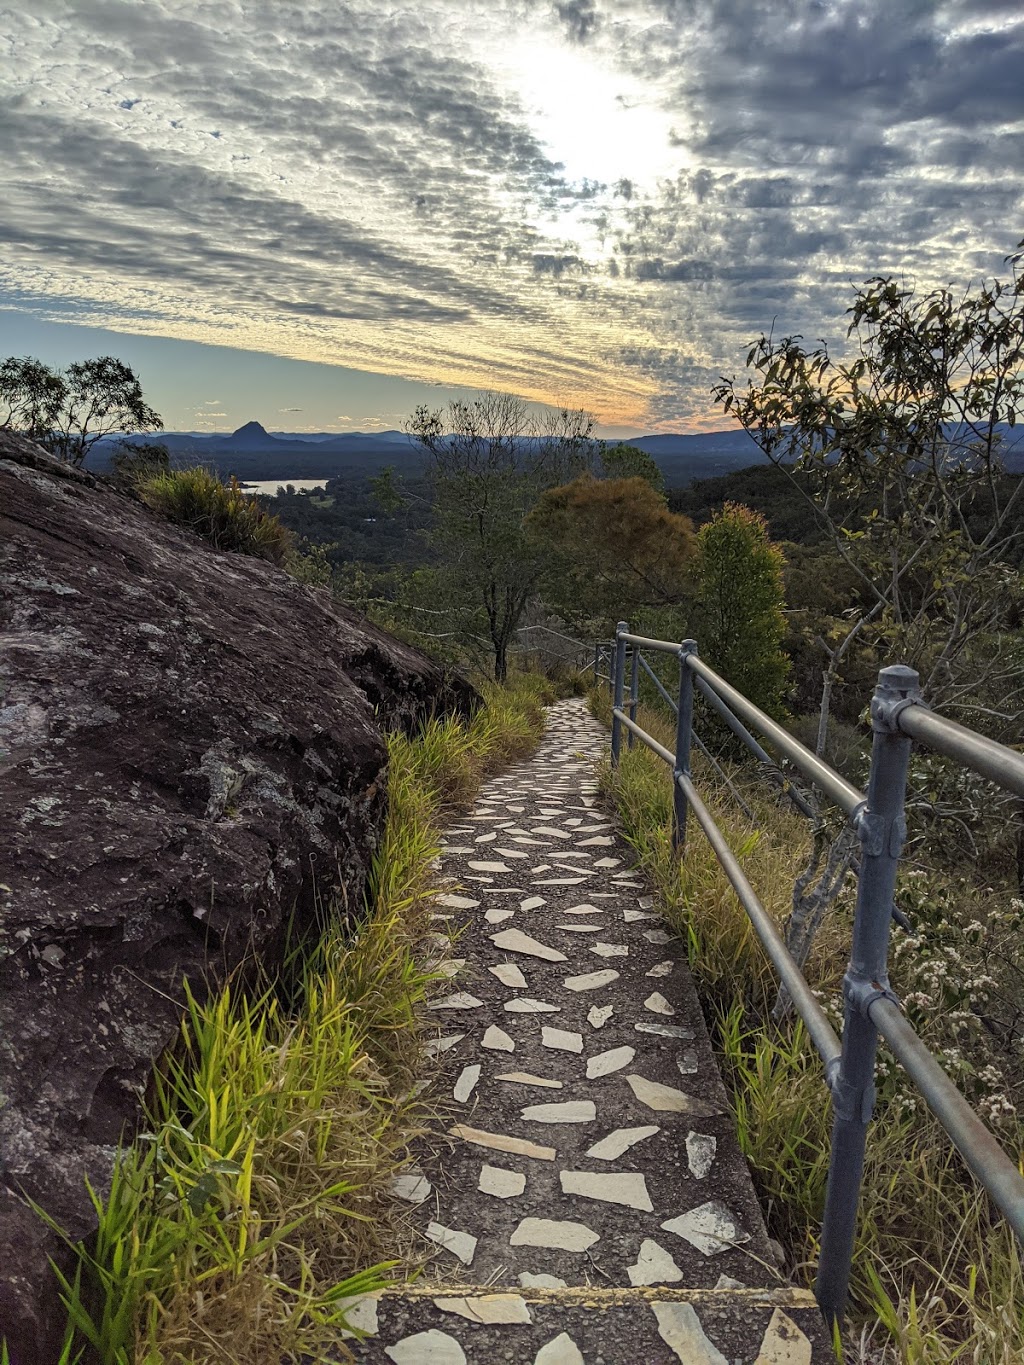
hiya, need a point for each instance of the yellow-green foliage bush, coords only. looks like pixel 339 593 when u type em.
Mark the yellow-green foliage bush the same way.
pixel 219 512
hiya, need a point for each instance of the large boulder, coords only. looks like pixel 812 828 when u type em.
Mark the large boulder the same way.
pixel 191 752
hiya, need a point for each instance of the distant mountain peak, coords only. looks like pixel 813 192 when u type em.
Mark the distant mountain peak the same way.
pixel 250 430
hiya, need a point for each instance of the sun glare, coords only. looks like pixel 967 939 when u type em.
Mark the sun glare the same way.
pixel 601 124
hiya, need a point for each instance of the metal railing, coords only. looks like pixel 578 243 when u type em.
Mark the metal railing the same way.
pixel 899 716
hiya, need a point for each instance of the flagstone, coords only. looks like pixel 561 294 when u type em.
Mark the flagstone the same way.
pixel 460 1244
pixel 457 902
pixel 528 1281
pixel 783 1343
pixel 495 916
pixel 568 1111
pixel 561 1039
pixel 664 1099
pixel 608 862
pixel 532 903
pixel 497 1040
pixel 610 1187
pixel 663 1030
pixel 427 1348
pixel 523 1004
pixel 711 1228
pixel 466 1083
pixel 560 1351
pixel 610 949
pixel 508 974
pixel 700 1153
pixel 438 1045
pixel 487 1308
pixel 361 1315
pixel 657 936
pixel 488 867
pixel 591 981
pixel 634 916
pixel 680 1330
pixel 527 1078
pixel 661 968
pixel 558 1234
pixel 461 1000
pixel 560 881
pixel 654 1265
pixel 581 928
pixel 598 841
pixel 584 908
pixel 610 1148
pixel 604 1063
pixel 687 1063
pixel 412 1186
pixel 657 1004
pixel 515 941
pixel 500 1142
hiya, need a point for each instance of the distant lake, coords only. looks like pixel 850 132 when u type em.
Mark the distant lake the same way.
pixel 269 487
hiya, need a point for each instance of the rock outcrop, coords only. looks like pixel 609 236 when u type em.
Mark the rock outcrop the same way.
pixel 190 751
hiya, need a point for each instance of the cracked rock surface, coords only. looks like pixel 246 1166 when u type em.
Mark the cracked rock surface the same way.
pixel 189 750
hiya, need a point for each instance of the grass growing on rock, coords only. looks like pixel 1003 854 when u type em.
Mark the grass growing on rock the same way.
pixel 222 513
pixel 938 1276
pixel 257 1201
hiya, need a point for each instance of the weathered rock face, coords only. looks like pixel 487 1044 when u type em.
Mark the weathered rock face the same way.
pixel 190 749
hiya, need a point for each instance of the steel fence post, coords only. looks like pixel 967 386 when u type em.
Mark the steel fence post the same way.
pixel 597 662
pixel 684 735
pixel 634 692
pixel 881 827
pixel 618 689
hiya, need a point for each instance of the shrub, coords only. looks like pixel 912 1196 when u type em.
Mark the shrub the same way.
pixel 221 513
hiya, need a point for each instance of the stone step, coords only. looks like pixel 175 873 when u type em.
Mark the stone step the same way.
pixel 463 1324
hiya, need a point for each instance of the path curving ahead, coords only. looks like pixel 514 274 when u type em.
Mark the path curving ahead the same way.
pixel 592 1204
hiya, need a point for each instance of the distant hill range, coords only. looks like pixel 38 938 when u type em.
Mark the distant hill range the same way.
pixel 252 453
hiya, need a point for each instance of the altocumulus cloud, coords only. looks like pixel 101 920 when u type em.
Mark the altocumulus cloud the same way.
pixel 589 201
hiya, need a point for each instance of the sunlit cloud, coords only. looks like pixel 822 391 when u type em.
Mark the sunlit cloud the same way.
pixel 593 202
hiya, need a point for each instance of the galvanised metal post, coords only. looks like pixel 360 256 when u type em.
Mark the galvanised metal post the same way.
pixel 618 688
pixel 882 829
pixel 597 662
pixel 634 692
pixel 684 734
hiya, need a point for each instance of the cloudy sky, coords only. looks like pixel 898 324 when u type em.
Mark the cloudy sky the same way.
pixel 319 215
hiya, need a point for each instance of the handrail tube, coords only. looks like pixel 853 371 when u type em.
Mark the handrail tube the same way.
pixel 969 1135
pixel 743 734
pixel 836 787
pixel 642 642
pixel 819 1029
pixel 737 797
pixel 994 761
pixel 649 740
pixel 816 1021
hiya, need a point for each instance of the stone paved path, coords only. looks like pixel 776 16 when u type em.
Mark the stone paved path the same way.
pixel 592 1205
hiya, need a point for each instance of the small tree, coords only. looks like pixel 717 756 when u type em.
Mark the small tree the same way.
pixel 898 453
pixel 488 462
pixel 624 461
pixel 740 604
pixel 614 547
pixel 68 411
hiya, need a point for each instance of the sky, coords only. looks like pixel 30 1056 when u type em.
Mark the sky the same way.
pixel 319 216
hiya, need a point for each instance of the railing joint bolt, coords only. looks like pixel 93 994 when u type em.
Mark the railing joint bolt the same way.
pixel 898 687
pixel 860 993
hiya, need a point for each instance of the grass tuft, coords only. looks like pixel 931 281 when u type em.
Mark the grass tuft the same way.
pixel 221 513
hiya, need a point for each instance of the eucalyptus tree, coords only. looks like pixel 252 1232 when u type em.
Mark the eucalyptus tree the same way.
pixel 899 450
pixel 488 462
